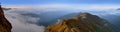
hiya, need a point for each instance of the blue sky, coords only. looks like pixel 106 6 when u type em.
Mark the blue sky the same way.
pixel 87 4
pixel 33 2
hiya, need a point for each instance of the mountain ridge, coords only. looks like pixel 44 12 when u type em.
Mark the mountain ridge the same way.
pixel 85 22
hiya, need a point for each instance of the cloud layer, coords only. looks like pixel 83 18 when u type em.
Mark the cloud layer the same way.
pixel 22 23
pixel 72 6
pixel 26 23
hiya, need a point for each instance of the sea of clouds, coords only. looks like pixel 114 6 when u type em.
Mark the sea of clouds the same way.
pixel 26 23
pixel 21 23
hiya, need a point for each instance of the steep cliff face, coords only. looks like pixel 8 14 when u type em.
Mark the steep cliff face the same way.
pixel 84 22
pixel 5 26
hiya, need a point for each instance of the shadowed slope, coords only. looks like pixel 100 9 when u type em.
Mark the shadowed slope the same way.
pixel 5 26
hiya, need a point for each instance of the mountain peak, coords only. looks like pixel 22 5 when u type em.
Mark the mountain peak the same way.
pixel 85 22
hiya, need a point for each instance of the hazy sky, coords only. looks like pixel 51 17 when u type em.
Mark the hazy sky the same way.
pixel 31 2
pixel 87 4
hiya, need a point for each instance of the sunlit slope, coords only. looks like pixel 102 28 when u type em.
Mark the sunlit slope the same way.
pixel 84 22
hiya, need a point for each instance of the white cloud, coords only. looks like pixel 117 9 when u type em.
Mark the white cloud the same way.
pixel 79 6
pixel 70 6
pixel 21 23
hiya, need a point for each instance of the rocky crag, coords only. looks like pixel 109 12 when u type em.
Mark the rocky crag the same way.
pixel 5 25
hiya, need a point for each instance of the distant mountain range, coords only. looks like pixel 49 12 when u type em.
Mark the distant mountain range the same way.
pixel 6 9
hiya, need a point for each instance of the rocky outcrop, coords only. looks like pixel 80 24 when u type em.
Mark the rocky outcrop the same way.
pixel 5 26
pixel 84 22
